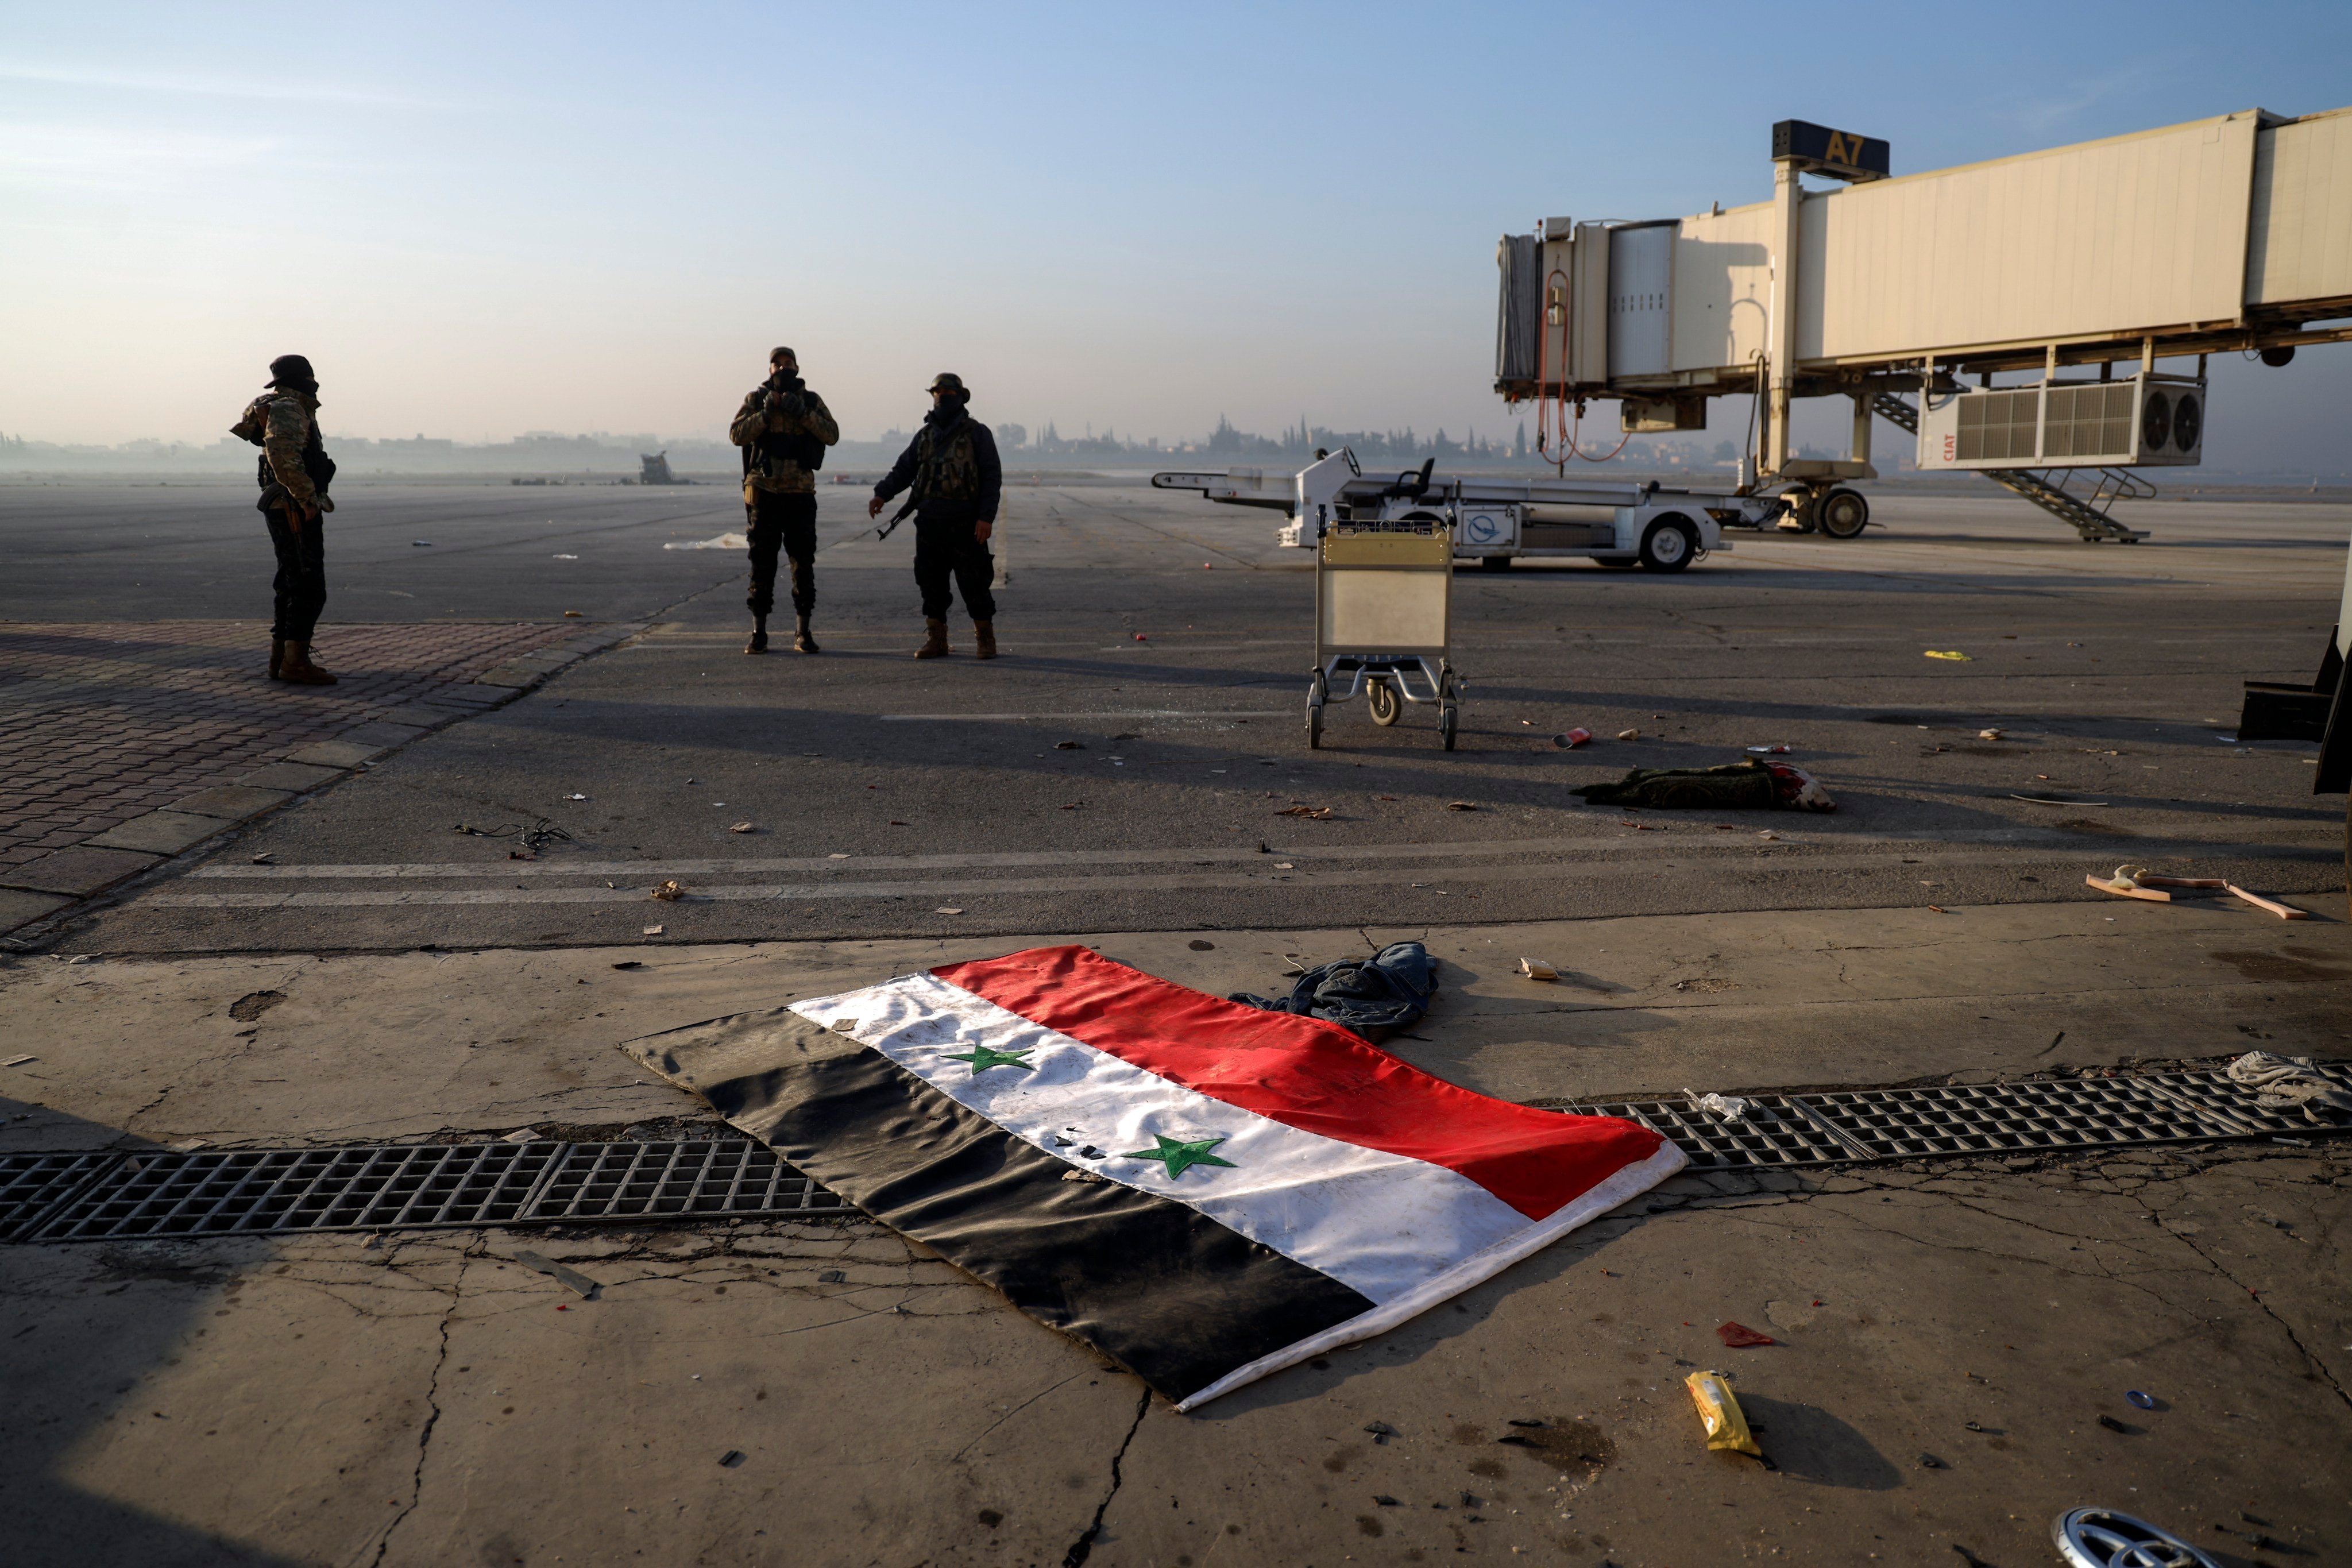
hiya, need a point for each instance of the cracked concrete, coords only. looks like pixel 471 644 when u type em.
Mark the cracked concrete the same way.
pixel 420 1398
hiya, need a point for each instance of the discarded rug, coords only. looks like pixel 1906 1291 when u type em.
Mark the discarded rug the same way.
pixel 1750 784
pixel 1205 1192
pixel 1371 996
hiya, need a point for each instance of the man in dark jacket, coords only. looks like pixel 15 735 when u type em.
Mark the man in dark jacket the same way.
pixel 783 429
pixel 295 471
pixel 951 466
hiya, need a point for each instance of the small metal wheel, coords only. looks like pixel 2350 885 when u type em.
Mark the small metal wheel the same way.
pixel 1314 726
pixel 1843 514
pixel 1383 699
pixel 1446 723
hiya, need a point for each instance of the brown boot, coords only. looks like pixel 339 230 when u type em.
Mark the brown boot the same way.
pixel 276 658
pixel 935 640
pixel 983 637
pixel 298 670
pixel 803 640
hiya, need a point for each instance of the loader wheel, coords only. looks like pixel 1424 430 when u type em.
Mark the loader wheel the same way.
pixel 1843 514
pixel 1670 545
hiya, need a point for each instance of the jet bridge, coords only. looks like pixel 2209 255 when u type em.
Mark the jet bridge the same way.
pixel 2108 258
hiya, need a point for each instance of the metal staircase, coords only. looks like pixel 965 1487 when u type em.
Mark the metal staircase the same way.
pixel 2086 513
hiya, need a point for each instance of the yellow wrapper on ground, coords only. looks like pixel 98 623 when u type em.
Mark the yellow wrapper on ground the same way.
pixel 1719 1411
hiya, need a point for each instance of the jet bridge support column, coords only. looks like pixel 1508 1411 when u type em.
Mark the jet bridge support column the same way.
pixel 1787 206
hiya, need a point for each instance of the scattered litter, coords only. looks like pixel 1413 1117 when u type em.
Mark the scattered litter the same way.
pixel 420 544
pixel 1952 654
pixel 1770 835
pixel 18 1061
pixel 1372 997
pixel 533 839
pixel 188 1145
pixel 836 857
pixel 1739 1337
pixel 1767 751
pixel 1938 908
pixel 1536 969
pixel 628 963
pixel 1316 813
pixel 1199 944
pixel 946 910
pixel 1750 784
pixel 1728 1108
pixel 575 797
pixel 519 1135
pixel 1141 637
pixel 653 931
pixel 262 858
pixel 2283 911
pixel 1460 805
pixel 742 827
pixel 1383 1500
pixel 1719 1413
pixel 1069 745
pixel 670 892
pixel 720 541
pixel 572 1279
pixel 2112 1425
pixel 572 614
pixel 1570 740
pixel 830 1276
pixel 2145 1401
pixel 730 1458
pixel 2286 1082
pixel 1085 1176
pixel 1285 866
pixel 1628 734
pixel 1992 735
pixel 1380 1430
pixel 1930 1462
pixel 567 558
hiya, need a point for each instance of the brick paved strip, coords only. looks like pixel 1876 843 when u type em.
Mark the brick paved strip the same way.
pixel 100 724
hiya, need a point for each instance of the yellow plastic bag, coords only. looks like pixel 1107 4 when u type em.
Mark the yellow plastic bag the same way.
pixel 1719 1411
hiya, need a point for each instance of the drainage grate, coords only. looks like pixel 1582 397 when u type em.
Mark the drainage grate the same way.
pixel 33 1184
pixel 100 1197
pixel 630 1181
pixel 1848 1125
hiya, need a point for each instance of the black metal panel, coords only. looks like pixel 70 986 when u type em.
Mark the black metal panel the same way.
pixel 1774 1130
pixel 1998 1119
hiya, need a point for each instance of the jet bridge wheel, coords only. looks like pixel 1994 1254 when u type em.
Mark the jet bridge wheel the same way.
pixel 1843 514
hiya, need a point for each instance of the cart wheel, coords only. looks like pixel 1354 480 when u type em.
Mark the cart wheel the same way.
pixel 1314 726
pixel 1446 724
pixel 1382 699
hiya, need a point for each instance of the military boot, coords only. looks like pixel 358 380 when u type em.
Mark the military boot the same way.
pixel 277 658
pixel 983 637
pixel 935 640
pixel 759 643
pixel 298 669
pixel 803 641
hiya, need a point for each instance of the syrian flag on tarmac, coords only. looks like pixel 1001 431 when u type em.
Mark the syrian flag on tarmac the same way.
pixel 1202 1191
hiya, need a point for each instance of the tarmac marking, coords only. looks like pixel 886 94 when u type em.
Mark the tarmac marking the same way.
pixel 1070 713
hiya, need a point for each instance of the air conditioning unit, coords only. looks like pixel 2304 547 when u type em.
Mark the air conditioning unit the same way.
pixel 2144 421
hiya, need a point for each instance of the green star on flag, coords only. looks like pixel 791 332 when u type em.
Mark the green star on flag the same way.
pixel 1178 1155
pixel 982 1058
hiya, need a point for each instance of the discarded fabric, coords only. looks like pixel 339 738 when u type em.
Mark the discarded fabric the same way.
pixel 2286 1083
pixel 1372 997
pixel 1739 1336
pixel 1275 1187
pixel 1751 784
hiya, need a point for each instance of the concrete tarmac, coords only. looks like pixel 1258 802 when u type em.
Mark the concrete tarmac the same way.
pixel 1952 1334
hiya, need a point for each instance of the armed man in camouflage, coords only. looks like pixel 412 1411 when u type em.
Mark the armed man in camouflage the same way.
pixel 295 471
pixel 952 467
pixel 783 429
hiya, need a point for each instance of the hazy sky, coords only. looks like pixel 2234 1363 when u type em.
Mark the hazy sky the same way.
pixel 484 220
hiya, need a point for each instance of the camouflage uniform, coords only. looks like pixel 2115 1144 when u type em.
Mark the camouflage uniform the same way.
pixel 952 468
pixel 779 492
pixel 294 474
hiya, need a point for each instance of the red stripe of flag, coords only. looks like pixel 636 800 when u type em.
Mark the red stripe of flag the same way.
pixel 1308 1074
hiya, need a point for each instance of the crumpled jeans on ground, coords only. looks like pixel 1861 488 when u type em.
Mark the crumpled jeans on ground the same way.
pixel 1373 997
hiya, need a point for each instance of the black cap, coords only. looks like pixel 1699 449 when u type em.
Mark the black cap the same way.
pixel 949 381
pixel 292 370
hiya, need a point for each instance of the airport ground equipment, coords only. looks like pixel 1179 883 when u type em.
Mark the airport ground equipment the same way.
pixel 1492 519
pixel 2232 234
pixel 1383 619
